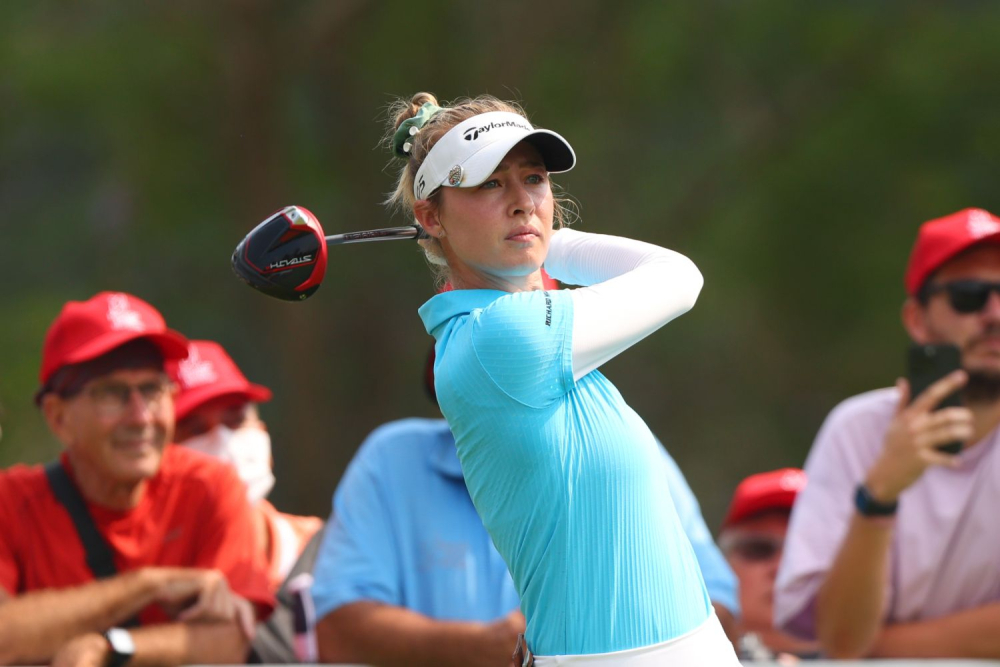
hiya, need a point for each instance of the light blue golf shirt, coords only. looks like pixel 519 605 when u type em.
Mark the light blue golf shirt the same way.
pixel 404 532
pixel 566 477
pixel 403 499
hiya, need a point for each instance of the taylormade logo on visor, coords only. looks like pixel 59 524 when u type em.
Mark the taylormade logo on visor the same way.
pixel 473 133
pixel 468 151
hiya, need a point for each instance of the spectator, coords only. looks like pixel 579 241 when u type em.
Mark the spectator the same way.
pixel 217 415
pixel 892 547
pixel 752 538
pixel 408 575
pixel 167 528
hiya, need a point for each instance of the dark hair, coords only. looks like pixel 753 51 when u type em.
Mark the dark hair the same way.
pixel 70 380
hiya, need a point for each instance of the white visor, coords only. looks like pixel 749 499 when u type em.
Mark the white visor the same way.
pixel 469 152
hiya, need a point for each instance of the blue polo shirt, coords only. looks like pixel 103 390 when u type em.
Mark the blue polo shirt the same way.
pixel 404 532
pixel 566 477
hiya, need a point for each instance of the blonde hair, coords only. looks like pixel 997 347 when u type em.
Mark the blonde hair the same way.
pixel 402 199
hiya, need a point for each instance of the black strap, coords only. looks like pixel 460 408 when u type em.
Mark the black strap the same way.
pixel 100 557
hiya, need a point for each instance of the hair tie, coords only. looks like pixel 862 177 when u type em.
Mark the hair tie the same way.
pixel 402 140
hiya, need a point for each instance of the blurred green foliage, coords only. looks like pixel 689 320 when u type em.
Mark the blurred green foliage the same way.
pixel 790 148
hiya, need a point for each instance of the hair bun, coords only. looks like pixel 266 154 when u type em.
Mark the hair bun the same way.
pixel 417 101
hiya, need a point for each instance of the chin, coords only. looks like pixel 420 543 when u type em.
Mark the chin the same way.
pixel 140 467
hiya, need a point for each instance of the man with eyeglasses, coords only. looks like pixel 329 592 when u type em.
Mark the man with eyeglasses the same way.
pixel 126 549
pixel 752 539
pixel 893 545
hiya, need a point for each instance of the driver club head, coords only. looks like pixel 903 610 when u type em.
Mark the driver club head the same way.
pixel 284 256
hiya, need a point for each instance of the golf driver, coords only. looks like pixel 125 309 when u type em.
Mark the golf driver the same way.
pixel 285 256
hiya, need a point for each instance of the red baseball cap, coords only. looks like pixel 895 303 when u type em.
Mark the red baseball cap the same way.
pixel 941 239
pixel 208 373
pixel 85 330
pixel 775 490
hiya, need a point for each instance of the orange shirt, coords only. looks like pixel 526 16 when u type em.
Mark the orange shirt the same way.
pixel 290 533
pixel 193 513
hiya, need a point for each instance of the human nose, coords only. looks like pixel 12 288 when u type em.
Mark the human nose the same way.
pixel 991 310
pixel 137 407
pixel 521 201
pixel 772 566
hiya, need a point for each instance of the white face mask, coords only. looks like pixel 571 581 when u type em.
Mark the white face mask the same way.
pixel 248 449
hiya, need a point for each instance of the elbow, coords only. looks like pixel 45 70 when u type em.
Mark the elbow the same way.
pixel 334 644
pixel 840 639
pixel 842 648
pixel 10 653
pixel 691 279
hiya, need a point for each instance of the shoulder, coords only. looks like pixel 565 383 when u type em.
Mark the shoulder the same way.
pixel 517 305
pixel 303 526
pixel 196 472
pixel 852 434
pixel 870 408
pixel 405 438
pixel 23 483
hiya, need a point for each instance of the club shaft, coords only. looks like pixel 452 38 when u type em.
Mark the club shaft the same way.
pixel 385 234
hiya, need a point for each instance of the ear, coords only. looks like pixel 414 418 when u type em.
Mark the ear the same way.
pixel 429 217
pixel 914 316
pixel 56 412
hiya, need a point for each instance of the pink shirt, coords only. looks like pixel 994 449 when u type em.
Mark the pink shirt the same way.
pixel 945 553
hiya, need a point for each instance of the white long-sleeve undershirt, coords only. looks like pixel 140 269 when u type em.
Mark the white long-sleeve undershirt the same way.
pixel 630 289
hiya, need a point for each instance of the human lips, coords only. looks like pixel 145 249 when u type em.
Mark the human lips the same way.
pixel 524 233
pixel 990 341
pixel 137 441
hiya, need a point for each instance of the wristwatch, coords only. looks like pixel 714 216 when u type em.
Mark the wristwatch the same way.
pixel 869 506
pixel 122 647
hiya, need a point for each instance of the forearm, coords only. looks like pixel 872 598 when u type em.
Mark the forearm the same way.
pixel 582 258
pixel 33 626
pixel 972 633
pixel 389 636
pixel 849 606
pixel 728 622
pixel 189 644
pixel 634 289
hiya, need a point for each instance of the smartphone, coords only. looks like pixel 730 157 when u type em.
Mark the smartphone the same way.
pixel 926 365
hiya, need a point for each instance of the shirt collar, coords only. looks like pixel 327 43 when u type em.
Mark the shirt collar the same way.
pixel 440 308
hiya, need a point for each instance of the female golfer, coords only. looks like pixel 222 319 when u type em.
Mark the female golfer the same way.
pixel 565 476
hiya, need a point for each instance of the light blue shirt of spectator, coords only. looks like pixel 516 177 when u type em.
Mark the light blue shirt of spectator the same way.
pixel 404 532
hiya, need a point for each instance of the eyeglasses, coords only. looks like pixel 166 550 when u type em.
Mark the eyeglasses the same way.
pixel 964 296
pixel 111 399
pixel 753 548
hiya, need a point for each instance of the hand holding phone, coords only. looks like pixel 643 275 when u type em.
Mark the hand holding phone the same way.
pixel 926 365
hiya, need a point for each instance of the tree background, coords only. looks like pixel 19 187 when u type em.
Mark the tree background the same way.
pixel 791 149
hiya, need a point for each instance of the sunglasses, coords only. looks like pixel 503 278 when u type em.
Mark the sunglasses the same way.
pixel 964 296
pixel 753 548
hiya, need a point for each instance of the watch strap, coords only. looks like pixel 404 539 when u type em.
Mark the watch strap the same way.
pixel 868 505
